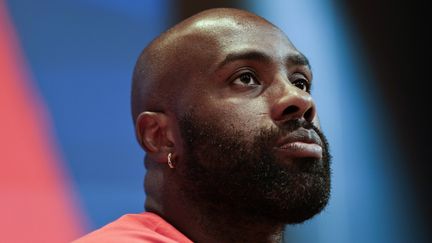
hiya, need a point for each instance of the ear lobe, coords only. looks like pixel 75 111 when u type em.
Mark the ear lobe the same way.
pixel 151 132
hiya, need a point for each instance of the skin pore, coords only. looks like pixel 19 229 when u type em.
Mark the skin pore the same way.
pixel 224 91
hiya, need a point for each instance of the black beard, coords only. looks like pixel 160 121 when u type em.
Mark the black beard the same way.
pixel 224 173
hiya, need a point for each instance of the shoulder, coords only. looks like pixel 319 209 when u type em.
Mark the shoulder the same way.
pixel 134 228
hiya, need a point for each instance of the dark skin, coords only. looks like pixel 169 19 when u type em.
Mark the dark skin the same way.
pixel 223 63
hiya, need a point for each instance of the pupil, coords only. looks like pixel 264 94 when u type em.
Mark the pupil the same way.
pixel 301 85
pixel 245 78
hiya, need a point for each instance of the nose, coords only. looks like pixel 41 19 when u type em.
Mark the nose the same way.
pixel 293 103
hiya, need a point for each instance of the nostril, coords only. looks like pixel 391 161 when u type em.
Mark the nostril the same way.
pixel 308 115
pixel 294 112
pixel 290 110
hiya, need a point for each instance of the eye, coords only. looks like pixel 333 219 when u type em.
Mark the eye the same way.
pixel 302 84
pixel 246 79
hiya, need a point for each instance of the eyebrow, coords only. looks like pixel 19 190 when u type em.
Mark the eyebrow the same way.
pixel 246 55
pixel 295 59
pixel 298 59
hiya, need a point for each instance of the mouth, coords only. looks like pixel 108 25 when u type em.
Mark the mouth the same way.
pixel 301 143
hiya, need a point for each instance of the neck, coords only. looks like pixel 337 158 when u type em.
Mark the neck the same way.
pixel 211 223
pixel 230 228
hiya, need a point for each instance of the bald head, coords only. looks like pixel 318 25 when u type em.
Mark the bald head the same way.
pixel 166 66
pixel 222 106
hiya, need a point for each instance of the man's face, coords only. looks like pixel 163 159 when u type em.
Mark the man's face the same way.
pixel 251 143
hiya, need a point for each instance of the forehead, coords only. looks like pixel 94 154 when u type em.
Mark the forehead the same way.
pixel 204 46
pixel 212 40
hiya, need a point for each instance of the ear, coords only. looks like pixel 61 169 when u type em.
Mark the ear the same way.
pixel 155 135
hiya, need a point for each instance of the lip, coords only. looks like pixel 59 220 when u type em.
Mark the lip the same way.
pixel 301 143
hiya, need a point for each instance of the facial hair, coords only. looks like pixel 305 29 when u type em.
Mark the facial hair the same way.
pixel 223 172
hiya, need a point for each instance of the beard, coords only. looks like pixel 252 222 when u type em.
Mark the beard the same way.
pixel 224 172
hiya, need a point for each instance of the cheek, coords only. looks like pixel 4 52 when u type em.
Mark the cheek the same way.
pixel 246 115
pixel 316 122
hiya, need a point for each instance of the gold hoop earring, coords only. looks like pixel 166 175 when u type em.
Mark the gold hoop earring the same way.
pixel 170 163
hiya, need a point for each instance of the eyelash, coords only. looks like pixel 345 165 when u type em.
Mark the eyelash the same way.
pixel 248 74
pixel 304 81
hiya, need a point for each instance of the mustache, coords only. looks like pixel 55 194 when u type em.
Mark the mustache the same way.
pixel 292 125
pixel 271 135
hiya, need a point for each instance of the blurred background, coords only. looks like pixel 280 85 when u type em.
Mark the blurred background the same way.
pixel 69 162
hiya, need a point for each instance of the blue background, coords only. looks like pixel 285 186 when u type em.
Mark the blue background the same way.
pixel 81 55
